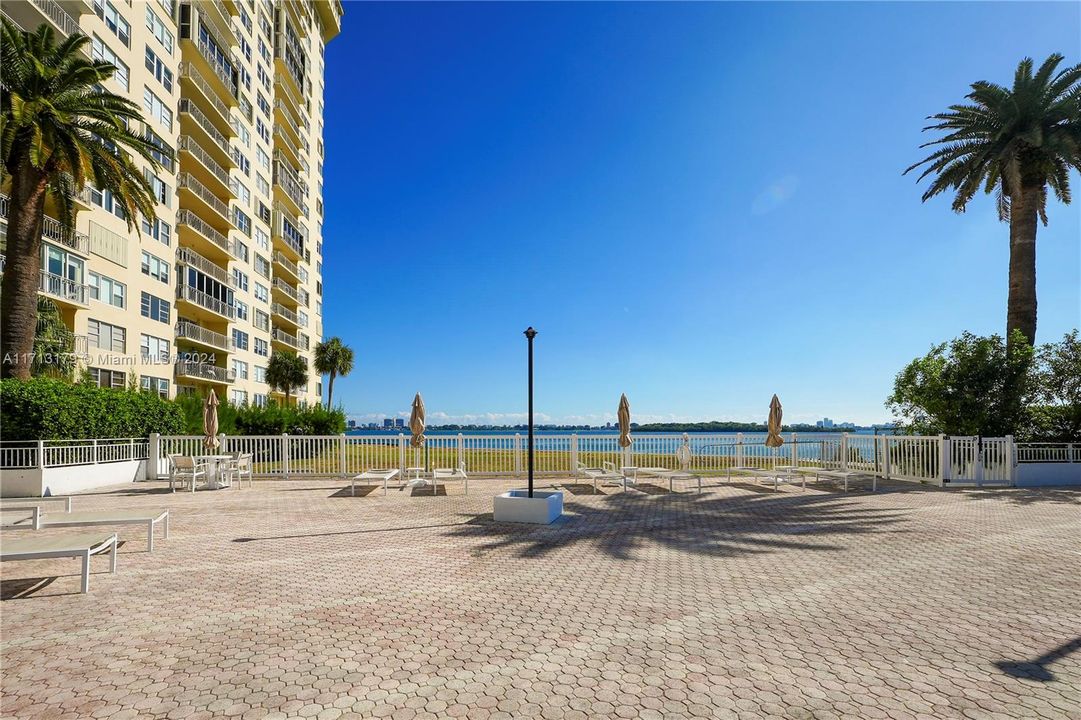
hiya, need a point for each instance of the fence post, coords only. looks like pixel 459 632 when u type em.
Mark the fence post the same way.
pixel 795 451
pixel 1011 460
pixel 1070 453
pixel 153 453
pixel 401 455
pixel 739 449
pixel 517 454
pixel 574 454
pixel 844 452
pixel 285 455
pixel 221 442
pixel 95 451
pixel 341 455
pixel 41 455
pixel 886 457
pixel 461 449
pixel 944 474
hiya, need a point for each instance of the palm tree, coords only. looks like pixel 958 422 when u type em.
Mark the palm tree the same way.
pixel 333 358
pixel 54 343
pixel 286 371
pixel 58 130
pixel 1017 142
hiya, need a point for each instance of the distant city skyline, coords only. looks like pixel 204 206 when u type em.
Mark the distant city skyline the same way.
pixel 628 178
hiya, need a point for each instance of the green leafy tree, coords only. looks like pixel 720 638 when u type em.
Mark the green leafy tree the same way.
pixel 58 130
pixel 969 386
pixel 1058 376
pixel 333 358
pixel 286 371
pixel 54 343
pixel 1017 142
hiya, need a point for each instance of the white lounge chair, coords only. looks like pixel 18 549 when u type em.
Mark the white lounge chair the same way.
pixel 449 475
pixel 83 545
pixel 670 475
pixel 376 474
pixel 842 475
pixel 603 475
pixel 86 518
pixel 24 510
pixel 183 470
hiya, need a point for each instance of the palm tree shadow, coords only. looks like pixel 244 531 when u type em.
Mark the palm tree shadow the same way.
pixel 620 523
pixel 1037 669
pixel 1027 496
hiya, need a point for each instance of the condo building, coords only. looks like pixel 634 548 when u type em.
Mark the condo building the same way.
pixel 231 268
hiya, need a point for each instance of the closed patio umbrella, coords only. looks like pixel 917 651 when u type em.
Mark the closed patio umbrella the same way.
pixel 774 438
pixel 624 415
pixel 210 421
pixel 416 423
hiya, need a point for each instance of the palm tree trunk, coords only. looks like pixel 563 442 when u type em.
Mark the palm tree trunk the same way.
pixel 1021 305
pixel 330 391
pixel 22 271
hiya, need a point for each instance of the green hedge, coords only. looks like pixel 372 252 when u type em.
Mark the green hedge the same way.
pixel 50 409
pixel 269 420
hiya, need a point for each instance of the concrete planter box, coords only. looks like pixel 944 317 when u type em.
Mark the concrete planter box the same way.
pixel 516 506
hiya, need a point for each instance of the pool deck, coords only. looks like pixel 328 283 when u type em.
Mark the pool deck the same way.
pixel 296 599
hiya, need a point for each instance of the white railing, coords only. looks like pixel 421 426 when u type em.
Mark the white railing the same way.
pixel 187 256
pixel 204 371
pixel 188 71
pixel 1062 452
pixel 187 218
pixel 15 454
pixel 59 286
pixel 197 333
pixel 187 181
pixel 205 300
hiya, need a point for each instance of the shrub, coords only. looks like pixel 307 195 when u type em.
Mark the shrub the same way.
pixel 51 409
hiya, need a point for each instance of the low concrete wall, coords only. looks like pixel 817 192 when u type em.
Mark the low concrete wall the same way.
pixel 1039 474
pixel 69 479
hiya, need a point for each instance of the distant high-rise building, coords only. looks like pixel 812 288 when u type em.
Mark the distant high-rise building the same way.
pixel 231 267
pixel 399 423
pixel 824 423
pixel 351 424
pixel 388 423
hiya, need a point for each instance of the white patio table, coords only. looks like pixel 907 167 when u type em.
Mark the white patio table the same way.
pixel 214 467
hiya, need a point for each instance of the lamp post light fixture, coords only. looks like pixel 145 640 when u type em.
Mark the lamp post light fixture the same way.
pixel 530 333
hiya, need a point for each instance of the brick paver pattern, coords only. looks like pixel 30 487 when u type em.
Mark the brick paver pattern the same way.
pixel 293 599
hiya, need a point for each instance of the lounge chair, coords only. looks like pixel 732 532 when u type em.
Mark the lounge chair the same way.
pixel 236 468
pixel 86 518
pixel 449 474
pixel 82 545
pixel 184 470
pixel 843 475
pixel 377 474
pixel 600 474
pixel 24 505
pixel 670 475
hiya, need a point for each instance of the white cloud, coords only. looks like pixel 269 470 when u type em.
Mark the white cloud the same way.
pixel 776 194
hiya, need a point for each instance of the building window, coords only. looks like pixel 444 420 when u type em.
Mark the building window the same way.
pixel 302 318
pixel 260 373
pixel 105 336
pixel 158 69
pixel 159 30
pixel 261 184
pixel 240 369
pixel 238 397
pixel 262 239
pixel 240 279
pixel 154 349
pixel 155 308
pixel 263 158
pixel 261 322
pixel 155 267
pixel 157 109
pixel 241 339
pixel 244 194
pixel 264 213
pixel 262 293
pixel 107 201
pixel 107 378
pixel 163 154
pixel 262 265
pixel 242 221
pixel 155 385
pixel 261 347
pixel 240 250
pixel 241 309
pixel 106 290
pixel 162 192
pixel 259 400
pixel 114 21
pixel 158 230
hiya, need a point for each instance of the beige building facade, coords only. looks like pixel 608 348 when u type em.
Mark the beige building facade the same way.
pixel 231 270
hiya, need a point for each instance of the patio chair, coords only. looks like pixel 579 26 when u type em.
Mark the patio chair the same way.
pixel 378 474
pixel 236 468
pixel 83 545
pixel 184 470
pixel 601 474
pixel 449 474
pixel 89 518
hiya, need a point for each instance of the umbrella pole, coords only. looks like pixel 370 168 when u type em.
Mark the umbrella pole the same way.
pixel 530 334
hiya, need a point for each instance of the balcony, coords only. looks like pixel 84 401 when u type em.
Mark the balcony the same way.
pixel 286 264
pixel 278 285
pixel 206 162
pixel 205 301
pixel 330 18
pixel 67 292
pixel 189 109
pixel 281 337
pixel 190 74
pixel 54 232
pixel 204 371
pixel 28 15
pixel 294 191
pixel 197 334
pixel 220 20
pixel 188 183
pixel 284 144
pixel 284 313
pixel 187 256
pixel 285 239
pixel 206 239
pixel 218 72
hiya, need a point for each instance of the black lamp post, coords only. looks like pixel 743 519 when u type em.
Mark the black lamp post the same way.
pixel 530 333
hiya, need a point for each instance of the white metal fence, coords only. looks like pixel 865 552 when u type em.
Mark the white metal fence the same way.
pixel 931 459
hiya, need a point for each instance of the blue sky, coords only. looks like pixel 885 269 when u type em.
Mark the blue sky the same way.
pixel 696 204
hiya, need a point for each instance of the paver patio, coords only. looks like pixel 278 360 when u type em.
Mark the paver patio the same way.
pixel 295 599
